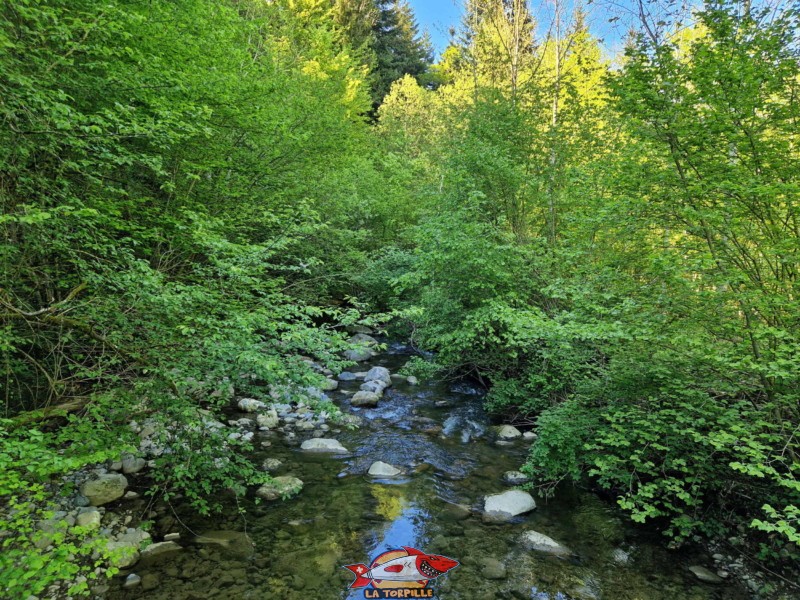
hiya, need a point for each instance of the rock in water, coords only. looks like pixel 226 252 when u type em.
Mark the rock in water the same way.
pixel 365 399
pixel 250 405
pixel 364 340
pixel 508 432
pixel 269 419
pixel 533 540
pixel 234 543
pixel 89 518
pixel 502 507
pixel 271 464
pixel 515 478
pixel 329 385
pixel 359 354
pixel 382 469
pixel 154 552
pixel 705 575
pixel 411 380
pixel 376 387
pixel 491 568
pixel 323 445
pixel 379 374
pixel 285 486
pixel 104 489
pixel 347 376
pixel 124 551
pixel 132 464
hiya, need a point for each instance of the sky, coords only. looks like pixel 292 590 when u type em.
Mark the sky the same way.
pixel 438 16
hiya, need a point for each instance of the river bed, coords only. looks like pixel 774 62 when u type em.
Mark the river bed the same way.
pixel 437 433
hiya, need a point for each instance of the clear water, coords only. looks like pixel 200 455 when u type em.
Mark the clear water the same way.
pixel 342 517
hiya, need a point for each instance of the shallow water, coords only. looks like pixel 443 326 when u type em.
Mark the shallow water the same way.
pixel 343 517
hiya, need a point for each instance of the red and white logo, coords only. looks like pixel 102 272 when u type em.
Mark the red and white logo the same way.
pixel 405 569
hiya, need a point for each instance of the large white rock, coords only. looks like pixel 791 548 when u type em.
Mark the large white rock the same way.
pixel 508 432
pixel 382 469
pixel 381 374
pixel 104 489
pixel 323 445
pixel 507 505
pixel 539 542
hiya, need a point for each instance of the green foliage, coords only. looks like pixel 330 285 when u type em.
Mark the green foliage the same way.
pixel 167 170
pixel 616 253
pixel 39 549
pixel 420 368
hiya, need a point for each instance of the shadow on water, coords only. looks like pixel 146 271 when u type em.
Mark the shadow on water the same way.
pixel 438 435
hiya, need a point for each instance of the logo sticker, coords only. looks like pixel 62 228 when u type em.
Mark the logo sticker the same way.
pixel 403 573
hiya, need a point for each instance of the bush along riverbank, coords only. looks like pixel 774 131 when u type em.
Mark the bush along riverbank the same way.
pixel 60 473
pixel 113 526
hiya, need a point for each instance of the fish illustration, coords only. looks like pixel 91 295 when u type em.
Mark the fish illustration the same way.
pixel 416 566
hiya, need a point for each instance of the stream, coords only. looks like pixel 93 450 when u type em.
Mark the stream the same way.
pixel 437 433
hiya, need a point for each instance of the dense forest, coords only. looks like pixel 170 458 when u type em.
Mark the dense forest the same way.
pixel 197 194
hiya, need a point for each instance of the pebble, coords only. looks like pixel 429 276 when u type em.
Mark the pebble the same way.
pixel 132 581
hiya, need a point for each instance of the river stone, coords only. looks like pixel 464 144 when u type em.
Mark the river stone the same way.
pixel 515 478
pixel 106 488
pixel 376 387
pixel 491 568
pixel 122 554
pixel 329 385
pixel 364 340
pixel 323 445
pixel 89 518
pixel 397 378
pixel 411 380
pixel 249 405
pixel 382 469
pixel 533 540
pixel 358 354
pixel 155 552
pixel 379 374
pixel 529 435
pixel 132 464
pixel 347 376
pixel 150 581
pixel 280 487
pixel 268 419
pixel 508 432
pixel 504 506
pixel 365 399
pixel 705 575
pixel 131 581
pixel 271 464
pixel 234 543
pixel 456 512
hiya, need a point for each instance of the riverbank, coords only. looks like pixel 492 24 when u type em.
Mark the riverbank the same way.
pixel 450 459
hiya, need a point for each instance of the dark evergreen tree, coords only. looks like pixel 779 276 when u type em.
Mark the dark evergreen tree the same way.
pixel 399 47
